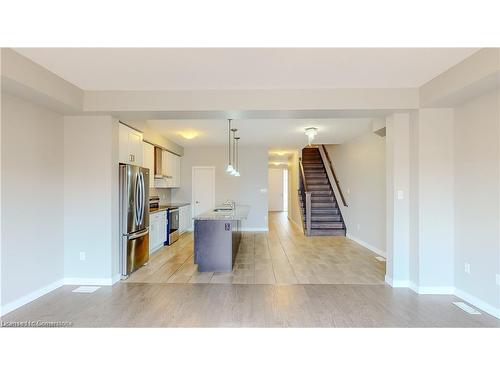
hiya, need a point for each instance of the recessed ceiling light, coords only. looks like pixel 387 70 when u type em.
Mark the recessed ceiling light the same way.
pixel 189 134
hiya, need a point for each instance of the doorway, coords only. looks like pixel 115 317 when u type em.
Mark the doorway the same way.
pixel 203 185
pixel 278 189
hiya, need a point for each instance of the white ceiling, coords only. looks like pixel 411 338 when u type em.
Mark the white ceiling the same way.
pixel 237 68
pixel 276 134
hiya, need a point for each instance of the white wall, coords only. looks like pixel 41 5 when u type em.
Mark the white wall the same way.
pixel 414 203
pixel 245 189
pixel 398 210
pixel 477 163
pixel 293 187
pixel 360 167
pixel 436 229
pixel 32 199
pixel 91 199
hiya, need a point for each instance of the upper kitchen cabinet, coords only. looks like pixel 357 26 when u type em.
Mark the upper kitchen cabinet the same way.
pixel 171 169
pixel 130 145
pixel 177 174
pixel 148 161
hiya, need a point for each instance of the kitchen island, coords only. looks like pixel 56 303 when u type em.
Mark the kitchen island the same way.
pixel 217 235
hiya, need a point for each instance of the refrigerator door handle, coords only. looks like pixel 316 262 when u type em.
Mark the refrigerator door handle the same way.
pixel 143 198
pixel 141 201
pixel 137 203
pixel 136 235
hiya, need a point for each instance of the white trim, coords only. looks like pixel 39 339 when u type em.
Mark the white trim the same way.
pixel 397 283
pixel 153 250
pixel 367 245
pixel 116 278
pixel 11 306
pixel 254 229
pixel 443 290
pixel 296 224
pixel 480 304
pixel 448 290
pixel 88 281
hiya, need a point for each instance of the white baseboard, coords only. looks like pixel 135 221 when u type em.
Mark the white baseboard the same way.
pixel 297 225
pixel 116 278
pixel 446 290
pixel 480 304
pixel 367 245
pixel 255 229
pixel 443 290
pixel 397 283
pixel 89 281
pixel 11 306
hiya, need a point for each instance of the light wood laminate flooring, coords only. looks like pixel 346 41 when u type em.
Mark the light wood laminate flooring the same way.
pixel 281 256
pixel 217 305
pixel 281 279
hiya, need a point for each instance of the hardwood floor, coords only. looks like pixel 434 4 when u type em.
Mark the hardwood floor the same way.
pixel 211 305
pixel 282 279
pixel 281 256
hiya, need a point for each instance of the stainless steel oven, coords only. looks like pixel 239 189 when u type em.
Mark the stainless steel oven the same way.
pixel 173 225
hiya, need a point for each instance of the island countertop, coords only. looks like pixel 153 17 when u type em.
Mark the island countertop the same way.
pixel 240 212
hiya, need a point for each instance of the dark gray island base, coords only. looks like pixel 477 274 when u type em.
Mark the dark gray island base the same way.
pixel 217 239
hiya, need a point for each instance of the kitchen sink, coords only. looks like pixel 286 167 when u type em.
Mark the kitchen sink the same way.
pixel 222 209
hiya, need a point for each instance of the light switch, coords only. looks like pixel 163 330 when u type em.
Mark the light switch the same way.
pixel 401 195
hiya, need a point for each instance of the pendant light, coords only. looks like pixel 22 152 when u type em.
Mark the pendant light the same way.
pixel 229 167
pixel 237 157
pixel 234 171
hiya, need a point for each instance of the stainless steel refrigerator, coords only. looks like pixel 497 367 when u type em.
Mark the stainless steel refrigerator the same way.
pixel 134 218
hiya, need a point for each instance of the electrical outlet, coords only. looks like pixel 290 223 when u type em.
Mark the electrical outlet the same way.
pixel 359 227
pixel 401 195
pixel 498 279
pixel 467 268
pixel 348 191
pixel 82 255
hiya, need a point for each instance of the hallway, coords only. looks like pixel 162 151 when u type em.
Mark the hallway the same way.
pixel 281 256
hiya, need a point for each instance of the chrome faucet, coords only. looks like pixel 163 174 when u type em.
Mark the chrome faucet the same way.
pixel 230 203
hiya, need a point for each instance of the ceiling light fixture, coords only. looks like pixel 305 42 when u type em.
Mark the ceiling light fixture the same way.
pixel 311 132
pixel 234 170
pixel 229 167
pixel 188 134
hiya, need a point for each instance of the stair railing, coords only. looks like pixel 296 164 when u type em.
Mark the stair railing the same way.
pixel 306 197
pixel 331 173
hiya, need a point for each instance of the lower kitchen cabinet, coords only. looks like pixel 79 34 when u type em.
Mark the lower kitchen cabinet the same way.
pixel 157 230
pixel 185 219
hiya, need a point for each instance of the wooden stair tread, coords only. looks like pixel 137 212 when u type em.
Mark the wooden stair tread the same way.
pixel 326 218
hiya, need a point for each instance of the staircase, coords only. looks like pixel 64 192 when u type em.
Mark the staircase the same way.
pixel 326 219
